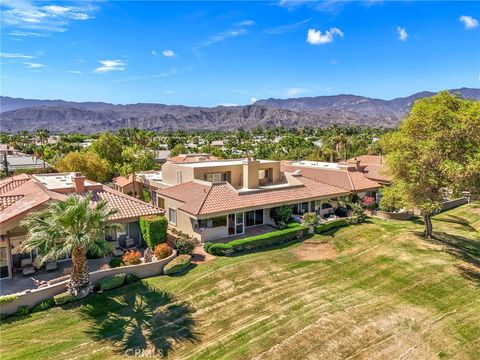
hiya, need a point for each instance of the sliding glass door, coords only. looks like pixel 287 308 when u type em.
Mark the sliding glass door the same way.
pixel 235 224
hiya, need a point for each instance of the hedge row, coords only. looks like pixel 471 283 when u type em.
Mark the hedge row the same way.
pixel 257 242
pixel 154 229
pixel 180 263
pixel 333 224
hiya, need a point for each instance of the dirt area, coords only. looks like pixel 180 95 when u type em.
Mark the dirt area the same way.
pixel 315 250
pixel 200 256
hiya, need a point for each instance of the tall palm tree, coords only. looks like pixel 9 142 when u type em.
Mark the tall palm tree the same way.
pixel 70 227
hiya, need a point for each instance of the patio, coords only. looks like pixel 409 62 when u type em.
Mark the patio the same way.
pixel 19 282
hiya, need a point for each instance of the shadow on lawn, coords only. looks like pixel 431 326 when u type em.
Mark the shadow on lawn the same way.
pixel 141 319
pixel 452 219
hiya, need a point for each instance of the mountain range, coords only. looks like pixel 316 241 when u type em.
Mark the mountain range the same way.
pixel 66 116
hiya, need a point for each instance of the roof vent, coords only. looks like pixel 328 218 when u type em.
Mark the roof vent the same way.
pixel 297 173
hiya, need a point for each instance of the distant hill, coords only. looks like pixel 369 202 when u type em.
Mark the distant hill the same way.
pixel 65 116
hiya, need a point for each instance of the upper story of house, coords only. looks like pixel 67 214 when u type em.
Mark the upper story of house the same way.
pixel 239 173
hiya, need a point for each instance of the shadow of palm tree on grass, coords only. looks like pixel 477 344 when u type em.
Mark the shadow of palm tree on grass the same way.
pixel 140 318
pixel 459 246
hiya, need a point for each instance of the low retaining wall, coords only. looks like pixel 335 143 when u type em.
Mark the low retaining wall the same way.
pixel 393 215
pixel 33 297
pixel 450 204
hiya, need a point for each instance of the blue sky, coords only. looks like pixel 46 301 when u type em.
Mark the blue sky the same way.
pixel 210 53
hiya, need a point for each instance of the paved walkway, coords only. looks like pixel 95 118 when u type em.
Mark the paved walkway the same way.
pixel 199 255
pixel 19 282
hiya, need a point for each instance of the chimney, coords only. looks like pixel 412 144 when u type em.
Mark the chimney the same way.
pixel 357 165
pixel 250 173
pixel 79 183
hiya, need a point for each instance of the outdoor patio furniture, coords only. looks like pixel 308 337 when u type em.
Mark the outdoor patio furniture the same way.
pixel 52 265
pixel 129 243
pixel 117 250
pixel 27 267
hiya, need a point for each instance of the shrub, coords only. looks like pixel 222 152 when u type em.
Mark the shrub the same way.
pixel 64 298
pixel 111 282
pixel 368 202
pixel 207 245
pixel 154 230
pixel 292 225
pixel 178 264
pixel 115 262
pixel 259 241
pixel 44 305
pixel 309 219
pixel 23 310
pixel 146 196
pixel 331 225
pixel 132 257
pixel 131 278
pixel 162 251
pixel 7 298
pixel 184 244
pixel 281 215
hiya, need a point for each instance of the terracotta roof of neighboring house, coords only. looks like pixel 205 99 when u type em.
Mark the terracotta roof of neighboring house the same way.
pixel 25 198
pixel 369 159
pixel 377 173
pixel 122 181
pixel 12 182
pixel 128 207
pixel 345 179
pixel 202 198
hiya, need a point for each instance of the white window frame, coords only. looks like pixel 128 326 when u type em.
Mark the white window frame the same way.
pixel 170 210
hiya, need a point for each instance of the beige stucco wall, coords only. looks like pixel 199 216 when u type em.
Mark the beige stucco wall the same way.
pixel 33 297
pixel 169 173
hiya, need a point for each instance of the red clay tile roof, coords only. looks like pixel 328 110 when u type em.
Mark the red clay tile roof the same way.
pixel 11 183
pixel 128 207
pixel 377 173
pixel 369 159
pixel 206 199
pixel 7 200
pixel 186 158
pixel 348 180
pixel 122 180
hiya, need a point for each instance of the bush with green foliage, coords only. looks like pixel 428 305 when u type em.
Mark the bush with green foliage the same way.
pixel 154 230
pixel 309 219
pixel 146 196
pixel 179 264
pixel 292 225
pixel 115 262
pixel 281 215
pixel 64 298
pixel 44 305
pixel 5 299
pixel 390 201
pixel 184 244
pixel 259 241
pixel 23 310
pixel 331 225
pixel 111 282
pixel 207 245
pixel 130 278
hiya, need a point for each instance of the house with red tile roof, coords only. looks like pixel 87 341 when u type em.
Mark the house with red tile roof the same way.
pixel 212 200
pixel 23 194
pixel 374 168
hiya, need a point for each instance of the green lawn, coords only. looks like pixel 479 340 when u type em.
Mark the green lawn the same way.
pixel 388 294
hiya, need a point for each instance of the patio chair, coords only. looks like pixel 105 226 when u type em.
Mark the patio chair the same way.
pixel 27 267
pixel 51 265
pixel 117 250
pixel 129 243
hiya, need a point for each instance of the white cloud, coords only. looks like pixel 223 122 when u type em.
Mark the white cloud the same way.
pixel 402 34
pixel 469 22
pixel 253 100
pixel 246 23
pixel 15 56
pixel 29 15
pixel 74 72
pixel 168 53
pixel 295 91
pixel 153 52
pixel 238 29
pixel 315 37
pixel 227 104
pixel 282 29
pixel 32 65
pixel 110 65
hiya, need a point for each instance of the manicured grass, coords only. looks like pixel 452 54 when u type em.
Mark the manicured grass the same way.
pixel 388 294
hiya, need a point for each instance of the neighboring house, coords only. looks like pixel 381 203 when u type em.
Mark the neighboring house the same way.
pixel 23 194
pixel 6 149
pixel 211 200
pixel 145 181
pixel 374 168
pixel 186 158
pixel 161 156
pixel 218 143
pixel 347 176
pixel 23 163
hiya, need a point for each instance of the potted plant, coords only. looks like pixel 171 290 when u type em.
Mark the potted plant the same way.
pixel 310 220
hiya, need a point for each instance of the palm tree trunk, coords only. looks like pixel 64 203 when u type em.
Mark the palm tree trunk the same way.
pixel 79 277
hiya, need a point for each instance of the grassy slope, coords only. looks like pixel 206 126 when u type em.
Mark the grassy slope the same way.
pixel 389 294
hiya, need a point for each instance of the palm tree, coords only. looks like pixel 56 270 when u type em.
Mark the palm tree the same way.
pixel 70 227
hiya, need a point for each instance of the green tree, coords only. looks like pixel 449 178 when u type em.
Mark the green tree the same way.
pixel 72 227
pixel 109 147
pixel 42 135
pixel 88 163
pixel 178 149
pixel 136 159
pixel 437 147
